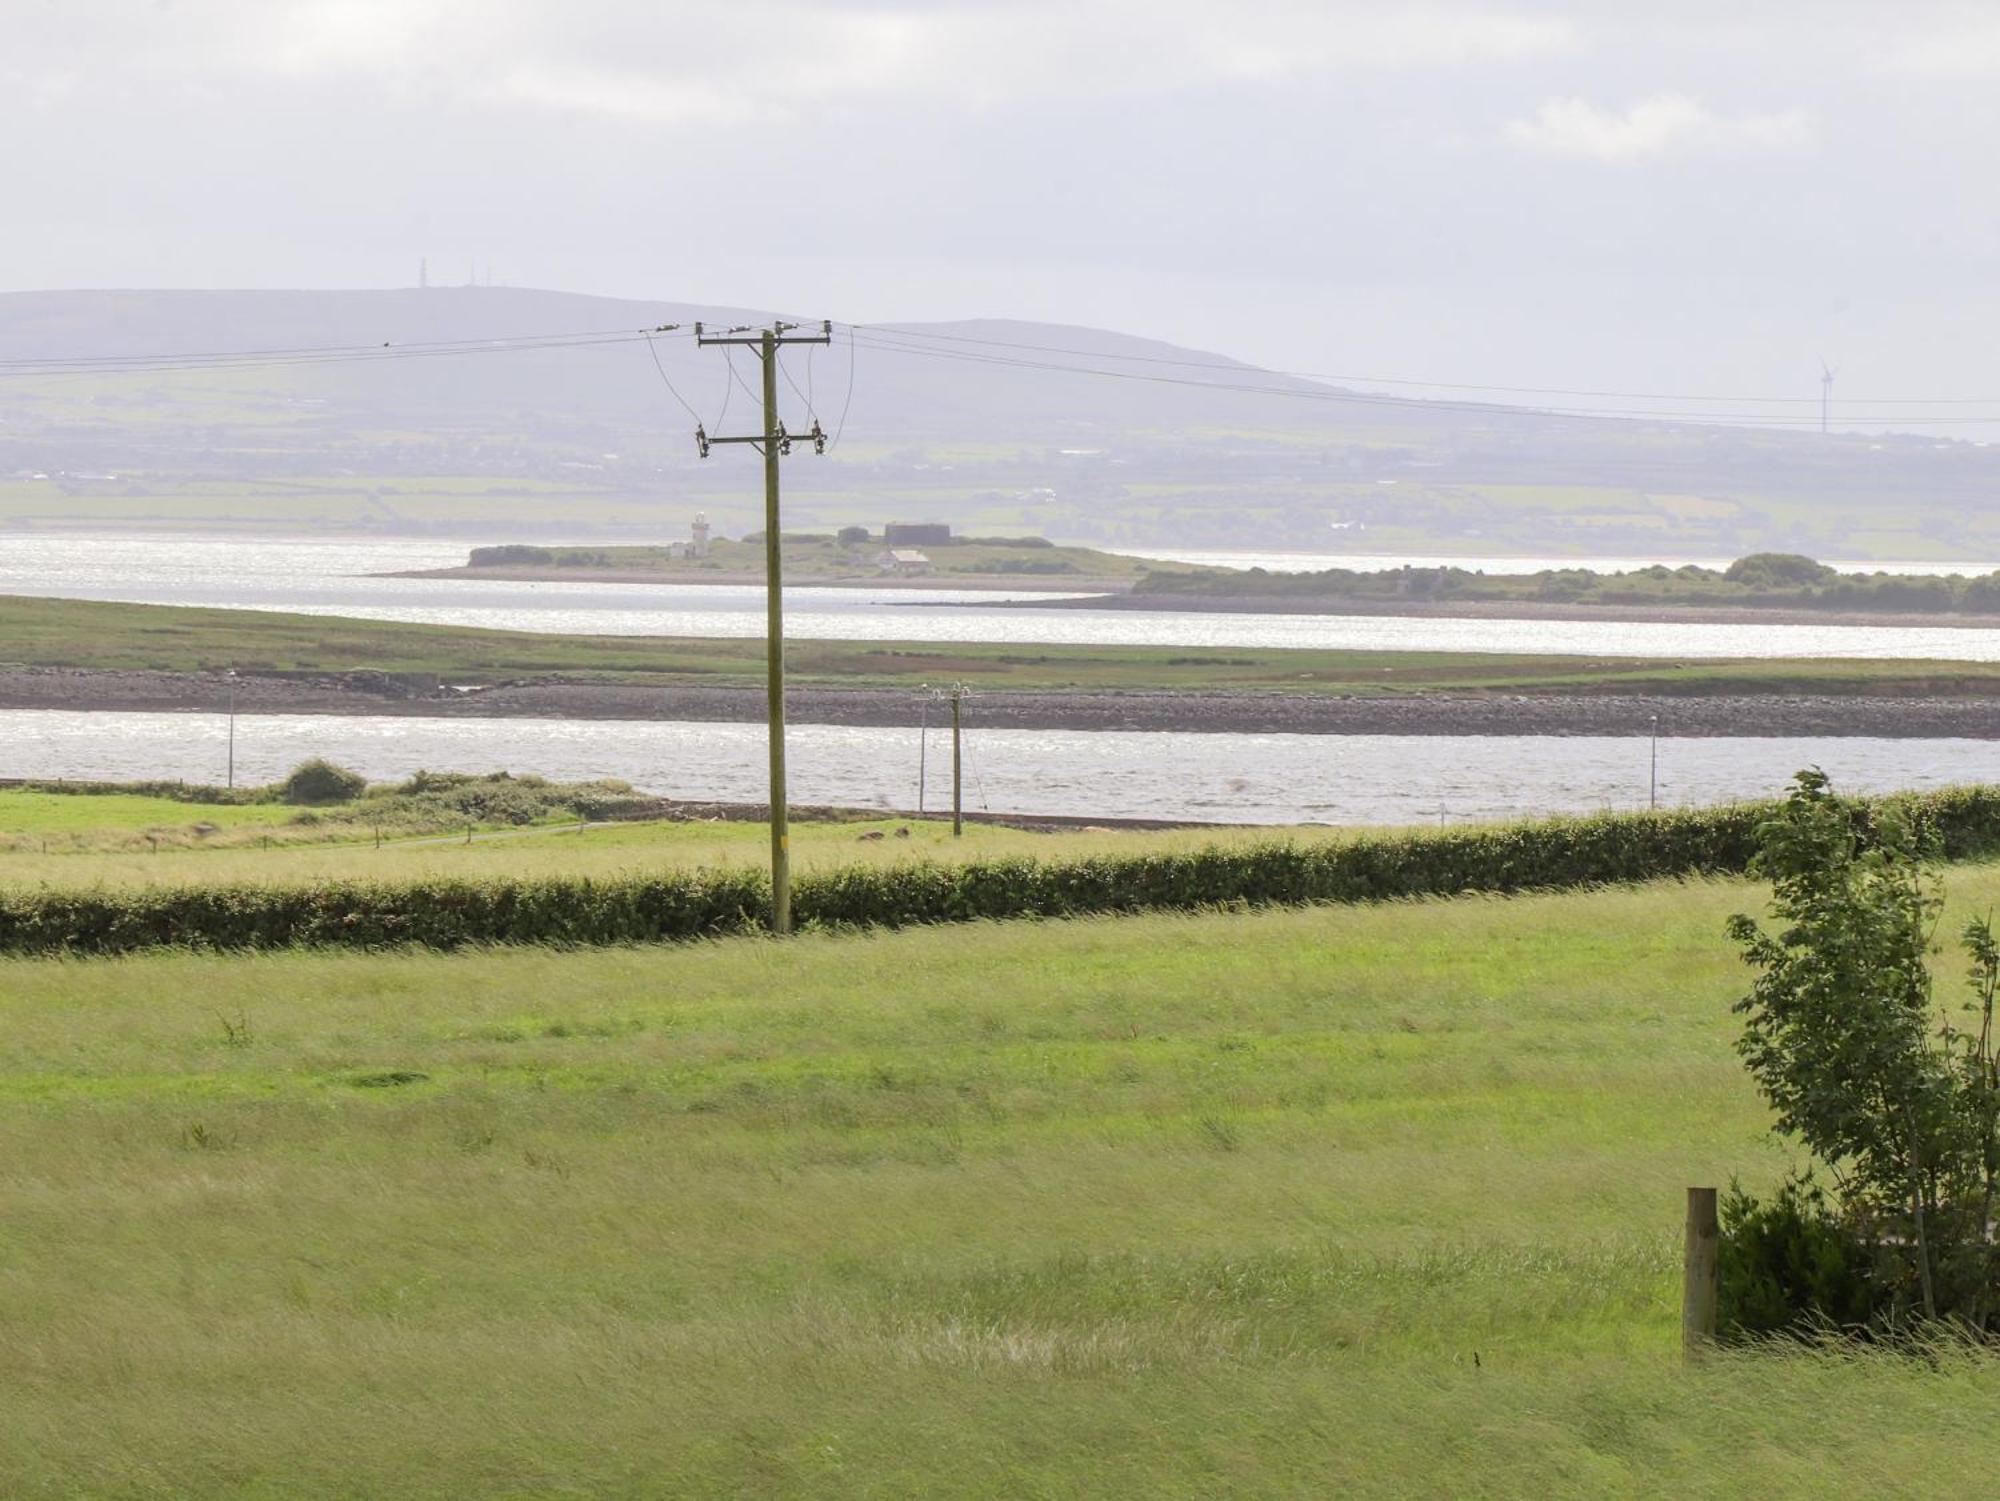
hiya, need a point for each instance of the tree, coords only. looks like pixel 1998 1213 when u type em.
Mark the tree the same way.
pixel 852 536
pixel 1843 1038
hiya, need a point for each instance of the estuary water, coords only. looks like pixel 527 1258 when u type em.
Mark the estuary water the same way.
pixel 337 577
pixel 1270 779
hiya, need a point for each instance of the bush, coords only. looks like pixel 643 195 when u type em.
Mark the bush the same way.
pixel 1768 568
pixel 852 536
pixel 318 781
pixel 1790 1266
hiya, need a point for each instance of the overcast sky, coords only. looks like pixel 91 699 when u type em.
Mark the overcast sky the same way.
pixel 1690 196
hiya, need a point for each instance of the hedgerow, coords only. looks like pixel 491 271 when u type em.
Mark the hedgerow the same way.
pixel 1956 823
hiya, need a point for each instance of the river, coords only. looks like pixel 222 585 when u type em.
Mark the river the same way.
pixel 1224 778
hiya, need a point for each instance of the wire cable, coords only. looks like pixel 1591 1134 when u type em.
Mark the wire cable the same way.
pixel 846 400
pixel 906 331
pixel 671 389
pixel 1329 395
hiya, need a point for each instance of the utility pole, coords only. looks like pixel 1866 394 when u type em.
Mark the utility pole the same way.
pixel 232 728
pixel 773 443
pixel 1653 770
pixel 956 693
pixel 957 727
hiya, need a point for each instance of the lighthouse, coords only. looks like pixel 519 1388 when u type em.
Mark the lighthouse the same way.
pixel 699 546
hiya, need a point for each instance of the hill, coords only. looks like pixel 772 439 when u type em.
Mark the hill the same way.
pixel 989 425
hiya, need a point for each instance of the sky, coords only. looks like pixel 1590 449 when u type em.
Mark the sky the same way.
pixel 1690 197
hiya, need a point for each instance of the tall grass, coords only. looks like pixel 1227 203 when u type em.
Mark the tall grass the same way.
pixel 1375 1200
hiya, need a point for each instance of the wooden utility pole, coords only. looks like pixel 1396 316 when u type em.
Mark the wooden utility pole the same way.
pixel 957 731
pixel 773 442
pixel 956 693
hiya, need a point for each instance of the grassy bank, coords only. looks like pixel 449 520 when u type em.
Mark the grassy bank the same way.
pixel 91 634
pixel 60 840
pixel 1378 1201
pixel 823 557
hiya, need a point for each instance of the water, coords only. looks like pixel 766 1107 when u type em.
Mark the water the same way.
pixel 1270 779
pixel 329 577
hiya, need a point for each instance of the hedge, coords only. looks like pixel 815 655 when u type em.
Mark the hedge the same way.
pixel 1568 852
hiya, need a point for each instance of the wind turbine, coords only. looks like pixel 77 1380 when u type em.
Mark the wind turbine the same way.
pixel 1826 375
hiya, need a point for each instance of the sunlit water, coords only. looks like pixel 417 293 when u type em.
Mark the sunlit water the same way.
pixel 333 577
pixel 1346 779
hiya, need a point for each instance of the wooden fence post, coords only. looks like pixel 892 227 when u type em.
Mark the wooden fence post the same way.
pixel 1702 1273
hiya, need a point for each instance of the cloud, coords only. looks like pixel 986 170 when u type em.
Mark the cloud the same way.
pixel 694 60
pixel 1662 125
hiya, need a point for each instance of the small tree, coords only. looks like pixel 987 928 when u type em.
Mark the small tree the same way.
pixel 852 536
pixel 1842 1036
pixel 319 781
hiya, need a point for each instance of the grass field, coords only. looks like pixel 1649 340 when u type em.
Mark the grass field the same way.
pixel 1361 1201
pixel 70 840
pixel 96 634
pixel 69 814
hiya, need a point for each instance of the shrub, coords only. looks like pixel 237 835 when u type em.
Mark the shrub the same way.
pixel 319 781
pixel 1767 568
pixel 1790 1265
pixel 851 536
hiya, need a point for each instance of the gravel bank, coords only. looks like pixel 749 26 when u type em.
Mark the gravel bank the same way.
pixel 1240 713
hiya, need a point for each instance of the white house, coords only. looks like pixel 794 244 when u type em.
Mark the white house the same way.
pixel 903 560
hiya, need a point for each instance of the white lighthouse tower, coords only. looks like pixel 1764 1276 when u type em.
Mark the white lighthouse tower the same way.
pixel 699 547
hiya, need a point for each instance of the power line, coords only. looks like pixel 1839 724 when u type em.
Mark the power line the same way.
pixel 1358 398
pixel 675 393
pixel 1250 380
pixel 846 400
pixel 135 365
pixel 904 331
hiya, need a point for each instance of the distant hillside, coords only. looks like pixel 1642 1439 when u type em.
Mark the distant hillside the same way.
pixel 583 443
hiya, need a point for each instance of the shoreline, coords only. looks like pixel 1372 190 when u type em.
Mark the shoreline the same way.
pixel 1010 583
pixel 1084 593
pixel 1501 609
pixel 1880 716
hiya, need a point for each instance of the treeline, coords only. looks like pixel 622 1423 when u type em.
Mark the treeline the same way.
pixel 447 914
pixel 1761 580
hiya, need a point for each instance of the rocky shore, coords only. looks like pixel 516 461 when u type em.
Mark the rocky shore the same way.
pixel 1250 712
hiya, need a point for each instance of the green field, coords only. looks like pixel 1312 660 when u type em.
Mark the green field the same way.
pixel 158 841
pixel 95 634
pixel 70 815
pixel 1377 1201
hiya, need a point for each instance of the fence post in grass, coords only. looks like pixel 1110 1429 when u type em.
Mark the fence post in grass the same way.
pixel 1701 1280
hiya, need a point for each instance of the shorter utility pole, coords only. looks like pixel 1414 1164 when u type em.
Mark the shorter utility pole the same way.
pixel 772 443
pixel 1653 772
pixel 957 779
pixel 956 695
pixel 232 727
